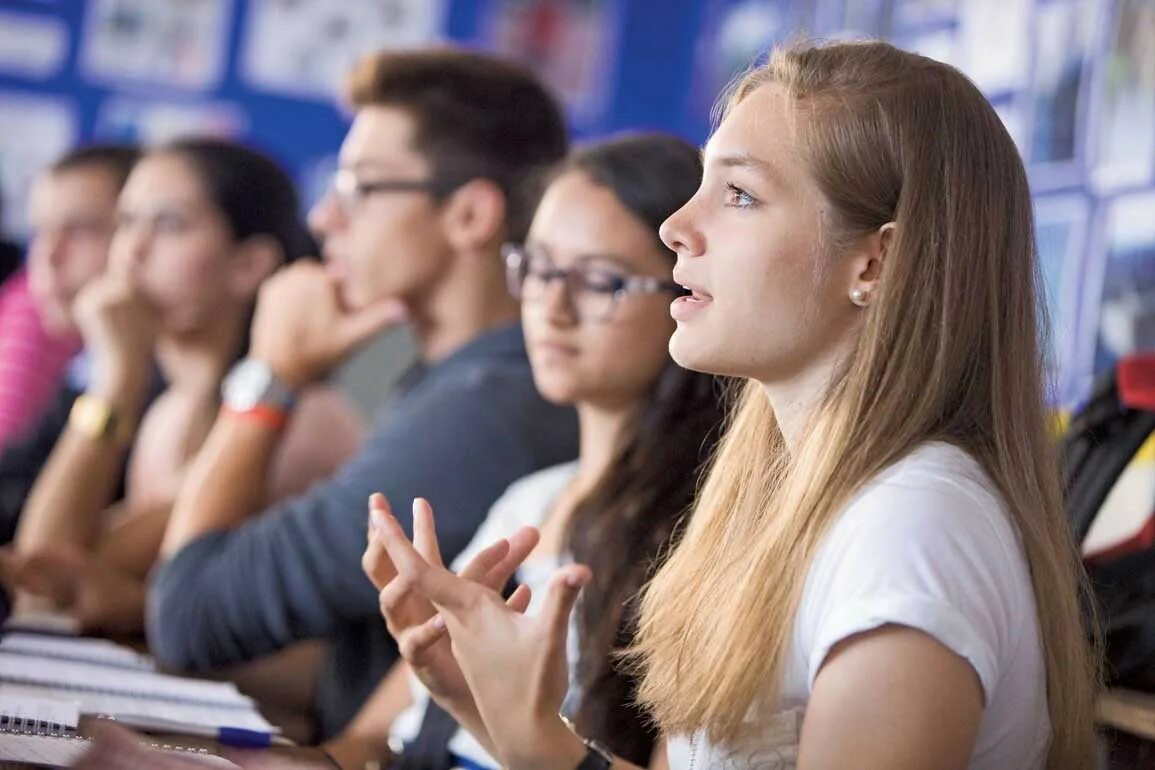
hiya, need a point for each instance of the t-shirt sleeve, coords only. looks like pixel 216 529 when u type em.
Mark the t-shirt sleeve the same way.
pixel 939 558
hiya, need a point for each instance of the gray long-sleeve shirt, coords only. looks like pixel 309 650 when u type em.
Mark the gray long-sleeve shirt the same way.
pixel 458 433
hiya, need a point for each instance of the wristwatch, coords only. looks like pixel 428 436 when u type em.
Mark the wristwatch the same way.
pixel 598 755
pixel 99 419
pixel 251 388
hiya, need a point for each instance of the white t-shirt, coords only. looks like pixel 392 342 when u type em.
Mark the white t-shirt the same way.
pixel 927 544
pixel 527 502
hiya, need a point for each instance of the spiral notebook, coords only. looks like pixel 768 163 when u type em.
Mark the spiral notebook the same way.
pixel 42 732
pixel 108 679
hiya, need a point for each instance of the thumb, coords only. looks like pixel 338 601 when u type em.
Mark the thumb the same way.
pixel 363 324
pixel 564 588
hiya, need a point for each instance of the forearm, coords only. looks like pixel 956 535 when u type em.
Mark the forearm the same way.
pixel 225 484
pixel 366 739
pixel 131 544
pixel 77 483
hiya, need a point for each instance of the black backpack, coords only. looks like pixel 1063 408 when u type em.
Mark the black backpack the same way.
pixel 1100 443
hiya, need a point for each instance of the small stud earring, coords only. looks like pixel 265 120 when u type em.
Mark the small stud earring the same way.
pixel 858 297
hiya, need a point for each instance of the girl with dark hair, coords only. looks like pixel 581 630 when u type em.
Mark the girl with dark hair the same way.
pixel 595 284
pixel 202 223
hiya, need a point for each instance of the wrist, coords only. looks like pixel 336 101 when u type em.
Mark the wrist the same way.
pixel 103 419
pixel 549 746
pixel 293 373
pixel 254 383
pixel 127 391
pixel 351 751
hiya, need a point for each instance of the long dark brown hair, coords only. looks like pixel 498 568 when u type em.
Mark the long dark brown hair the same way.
pixel 628 521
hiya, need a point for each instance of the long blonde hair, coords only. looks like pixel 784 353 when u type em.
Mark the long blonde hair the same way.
pixel 949 350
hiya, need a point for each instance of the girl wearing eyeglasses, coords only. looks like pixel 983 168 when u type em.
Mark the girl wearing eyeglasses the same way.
pixel 595 286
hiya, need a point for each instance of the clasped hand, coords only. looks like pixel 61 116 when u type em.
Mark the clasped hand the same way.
pixel 478 655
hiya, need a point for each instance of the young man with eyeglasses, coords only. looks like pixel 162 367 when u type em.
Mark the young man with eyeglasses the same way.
pixel 440 167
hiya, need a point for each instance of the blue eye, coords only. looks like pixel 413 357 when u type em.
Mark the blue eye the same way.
pixel 738 198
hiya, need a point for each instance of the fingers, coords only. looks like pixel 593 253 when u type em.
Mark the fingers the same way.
pixel 425 532
pixel 365 323
pixel 485 561
pixel 437 584
pixel 521 544
pixel 519 601
pixel 567 583
pixel 415 642
pixel 375 562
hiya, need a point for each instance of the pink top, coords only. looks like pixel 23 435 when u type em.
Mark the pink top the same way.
pixel 32 362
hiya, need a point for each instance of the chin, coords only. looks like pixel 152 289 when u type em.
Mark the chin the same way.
pixel 687 354
pixel 555 390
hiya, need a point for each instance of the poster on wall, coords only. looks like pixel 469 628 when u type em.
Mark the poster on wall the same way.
pixel 570 43
pixel 735 35
pixel 1124 111
pixel 151 121
pixel 909 15
pixel 173 44
pixel 34 132
pixel 1061 226
pixel 306 47
pixel 1064 37
pixel 32 45
pixel 850 19
pixel 1123 317
pixel 993 43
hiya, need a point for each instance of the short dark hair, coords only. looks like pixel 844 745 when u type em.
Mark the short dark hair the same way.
pixel 476 116
pixel 252 192
pixel 116 159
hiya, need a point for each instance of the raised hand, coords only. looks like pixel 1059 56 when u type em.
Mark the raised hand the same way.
pixel 515 666
pixel 302 330
pixel 119 326
pixel 411 619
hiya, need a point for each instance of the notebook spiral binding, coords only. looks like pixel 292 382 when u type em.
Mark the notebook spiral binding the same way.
pixel 44 729
pixel 21 726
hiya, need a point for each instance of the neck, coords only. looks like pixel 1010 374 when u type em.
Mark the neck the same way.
pixel 600 429
pixel 471 300
pixel 796 399
pixel 195 362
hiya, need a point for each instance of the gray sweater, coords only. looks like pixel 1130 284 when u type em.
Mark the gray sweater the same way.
pixel 458 433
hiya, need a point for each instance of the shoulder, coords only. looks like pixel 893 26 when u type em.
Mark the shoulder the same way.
pixel 536 490
pixel 929 544
pixel 525 503
pixel 935 490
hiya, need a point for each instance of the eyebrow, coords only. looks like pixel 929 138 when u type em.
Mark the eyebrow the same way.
pixel 746 160
pixel 585 256
pixel 384 164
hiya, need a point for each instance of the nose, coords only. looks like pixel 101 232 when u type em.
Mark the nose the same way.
pixel 130 247
pixel 679 233
pixel 48 248
pixel 557 302
pixel 326 215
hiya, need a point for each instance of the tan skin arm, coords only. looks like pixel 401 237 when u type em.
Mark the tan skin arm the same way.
pixel 82 473
pixel 107 589
pixel 301 332
pixel 892 698
pixel 366 739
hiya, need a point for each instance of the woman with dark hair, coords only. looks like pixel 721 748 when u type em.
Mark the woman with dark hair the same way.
pixel 595 284
pixel 202 223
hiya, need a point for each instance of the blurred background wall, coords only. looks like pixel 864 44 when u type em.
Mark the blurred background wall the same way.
pixel 1074 81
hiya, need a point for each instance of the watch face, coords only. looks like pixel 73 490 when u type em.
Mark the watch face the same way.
pixel 247 384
